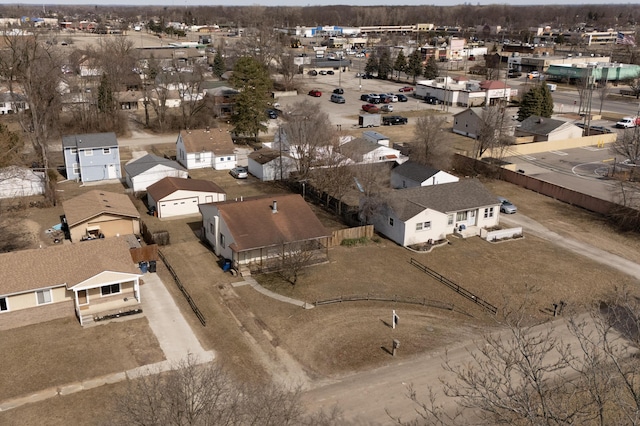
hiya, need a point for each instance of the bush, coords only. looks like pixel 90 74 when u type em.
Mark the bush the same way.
pixel 352 242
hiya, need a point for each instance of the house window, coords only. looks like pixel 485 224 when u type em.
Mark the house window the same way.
pixel 43 296
pixel 74 151
pixel 391 221
pixel 450 219
pixel 228 158
pixel 3 304
pixel 460 216
pixel 488 212
pixel 198 157
pixel 76 168
pixel 211 229
pixel 88 152
pixel 222 240
pixel 106 151
pixel 423 226
pixel 106 290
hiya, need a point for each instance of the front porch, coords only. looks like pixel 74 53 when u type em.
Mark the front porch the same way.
pixel 466 231
pixel 89 314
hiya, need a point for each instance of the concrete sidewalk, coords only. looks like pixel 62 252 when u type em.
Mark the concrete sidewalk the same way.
pixel 254 284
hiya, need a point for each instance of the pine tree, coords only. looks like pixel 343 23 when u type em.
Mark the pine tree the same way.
pixel 219 66
pixel 384 65
pixel 414 65
pixel 105 95
pixel 252 80
pixel 431 70
pixel 537 101
pixel 400 64
pixel 546 107
pixel 372 65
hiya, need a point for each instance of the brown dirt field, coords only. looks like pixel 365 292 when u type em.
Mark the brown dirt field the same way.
pixel 60 352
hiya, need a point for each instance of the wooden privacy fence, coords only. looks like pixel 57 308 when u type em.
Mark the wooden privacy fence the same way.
pixel 461 291
pixel 394 298
pixel 350 233
pixel 184 291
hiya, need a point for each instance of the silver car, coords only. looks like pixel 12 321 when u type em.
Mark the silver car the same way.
pixel 506 206
pixel 239 172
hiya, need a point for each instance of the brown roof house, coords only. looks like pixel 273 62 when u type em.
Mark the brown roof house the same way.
pixel 172 196
pixel 95 279
pixel 264 233
pixel 198 149
pixel 100 214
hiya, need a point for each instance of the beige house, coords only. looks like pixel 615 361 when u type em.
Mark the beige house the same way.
pixel 543 129
pixel 93 279
pixel 100 214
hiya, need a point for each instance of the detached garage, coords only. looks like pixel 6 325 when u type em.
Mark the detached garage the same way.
pixel 171 197
pixel 149 169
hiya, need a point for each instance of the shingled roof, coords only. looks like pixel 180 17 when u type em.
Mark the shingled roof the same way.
pixel 415 171
pixel 253 223
pixel 214 140
pixel 148 162
pixel 95 203
pixel 169 185
pixel 90 140
pixel 265 155
pixel 67 264
pixel 446 198
pixel 541 125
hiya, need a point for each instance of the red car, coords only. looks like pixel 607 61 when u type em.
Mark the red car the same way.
pixel 370 108
pixel 315 93
pixel 406 89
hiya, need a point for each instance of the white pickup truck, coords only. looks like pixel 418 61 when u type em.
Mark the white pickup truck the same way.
pixel 628 122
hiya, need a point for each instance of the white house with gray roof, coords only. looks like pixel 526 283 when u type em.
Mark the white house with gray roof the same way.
pixel 91 157
pixel 430 213
pixel 543 129
pixel 411 174
pixel 149 169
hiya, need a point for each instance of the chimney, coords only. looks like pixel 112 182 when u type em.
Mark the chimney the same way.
pixel 274 207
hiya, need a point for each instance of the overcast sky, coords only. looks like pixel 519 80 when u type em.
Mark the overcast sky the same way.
pixel 317 2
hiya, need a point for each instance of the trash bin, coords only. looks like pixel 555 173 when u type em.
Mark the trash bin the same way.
pixel 152 266
pixel 227 265
pixel 143 267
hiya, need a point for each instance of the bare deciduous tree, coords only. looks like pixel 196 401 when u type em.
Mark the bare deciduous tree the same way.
pixel 292 258
pixel 429 147
pixel 493 134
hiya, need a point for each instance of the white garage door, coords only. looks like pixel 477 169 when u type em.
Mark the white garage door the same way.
pixel 178 207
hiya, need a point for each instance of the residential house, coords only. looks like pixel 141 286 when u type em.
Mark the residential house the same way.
pixel 543 129
pixel 376 137
pixel 100 214
pixel 172 196
pixel 197 149
pixel 361 150
pixel 430 213
pixel 149 169
pixel 129 100
pixel 255 232
pixel 411 174
pixel 12 102
pixel 91 157
pixel 93 279
pixel 468 122
pixel 223 100
pixel 270 164
pixel 20 182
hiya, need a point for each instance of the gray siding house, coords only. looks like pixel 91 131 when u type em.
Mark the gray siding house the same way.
pixel 91 157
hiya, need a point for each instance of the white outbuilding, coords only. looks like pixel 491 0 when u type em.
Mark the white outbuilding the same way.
pixel 147 170
pixel 171 196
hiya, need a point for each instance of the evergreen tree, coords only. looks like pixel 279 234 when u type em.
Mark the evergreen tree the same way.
pixel 219 66
pixel 537 101
pixel 384 65
pixel 431 70
pixel 372 65
pixel 105 95
pixel 400 64
pixel 252 80
pixel 414 65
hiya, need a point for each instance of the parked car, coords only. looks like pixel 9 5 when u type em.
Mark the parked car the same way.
pixel 315 93
pixel 370 108
pixel 406 89
pixel 386 108
pixel 628 122
pixel 323 72
pixel 513 73
pixel 360 55
pixel 313 72
pixel 239 172
pixel 506 206
pixel 392 97
pixel 367 76
pixel 339 99
pixel 338 90
pixel 393 120
pixel 330 72
pixel 272 113
pixel 364 97
pixel 432 100
pixel 533 74
pixel 402 98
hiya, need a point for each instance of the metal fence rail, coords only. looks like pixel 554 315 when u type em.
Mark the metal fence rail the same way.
pixel 455 287
pixel 184 291
pixel 382 298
